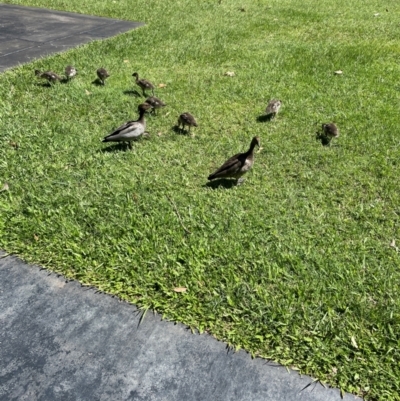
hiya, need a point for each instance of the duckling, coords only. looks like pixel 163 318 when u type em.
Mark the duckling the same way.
pixel 143 83
pixel 102 74
pixel 330 130
pixel 131 130
pixel 155 102
pixel 273 108
pixel 186 119
pixel 51 76
pixel 70 72
pixel 237 165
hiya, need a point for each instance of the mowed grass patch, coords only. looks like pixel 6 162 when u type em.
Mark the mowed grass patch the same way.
pixel 298 264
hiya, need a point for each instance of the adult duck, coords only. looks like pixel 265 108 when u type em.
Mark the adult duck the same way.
pixel 237 165
pixel 131 130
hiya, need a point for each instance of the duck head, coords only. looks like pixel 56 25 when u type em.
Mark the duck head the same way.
pixel 144 107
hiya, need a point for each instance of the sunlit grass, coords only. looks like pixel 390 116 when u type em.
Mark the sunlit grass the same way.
pixel 296 264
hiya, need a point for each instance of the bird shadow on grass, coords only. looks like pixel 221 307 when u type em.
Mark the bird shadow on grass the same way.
pixel 131 92
pixel 265 117
pixel 44 84
pixel 116 147
pixel 179 130
pixel 222 182
pixel 65 81
pixel 320 137
pixel 97 82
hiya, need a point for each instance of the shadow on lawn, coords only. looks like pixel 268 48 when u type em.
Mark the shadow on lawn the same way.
pixel 115 147
pixel 48 84
pixel 325 141
pixel 265 117
pixel 66 80
pixel 222 182
pixel 179 131
pixel 45 84
pixel 131 92
pixel 97 82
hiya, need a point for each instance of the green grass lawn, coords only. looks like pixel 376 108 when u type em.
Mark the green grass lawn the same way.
pixel 295 265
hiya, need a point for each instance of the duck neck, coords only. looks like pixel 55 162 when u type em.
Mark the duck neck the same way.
pixel 251 149
pixel 141 117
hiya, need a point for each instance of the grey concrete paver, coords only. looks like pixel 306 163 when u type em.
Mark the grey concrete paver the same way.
pixel 62 341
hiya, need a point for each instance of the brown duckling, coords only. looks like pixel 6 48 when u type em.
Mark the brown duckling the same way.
pixel 102 74
pixel 144 84
pixel 186 119
pixel 70 72
pixel 155 102
pixel 273 108
pixel 330 130
pixel 131 130
pixel 237 165
pixel 50 76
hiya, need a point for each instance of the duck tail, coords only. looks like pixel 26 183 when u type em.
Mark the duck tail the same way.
pixel 211 177
pixel 105 139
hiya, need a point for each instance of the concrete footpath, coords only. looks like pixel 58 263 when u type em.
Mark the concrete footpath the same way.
pixel 62 341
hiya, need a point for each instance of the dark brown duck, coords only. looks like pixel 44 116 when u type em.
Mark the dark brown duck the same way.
pixel 237 165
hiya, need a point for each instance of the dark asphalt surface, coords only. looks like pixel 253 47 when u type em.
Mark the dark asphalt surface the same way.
pixel 28 33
